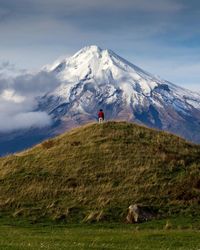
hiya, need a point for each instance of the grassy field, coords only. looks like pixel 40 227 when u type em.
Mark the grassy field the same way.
pixel 93 173
pixel 97 236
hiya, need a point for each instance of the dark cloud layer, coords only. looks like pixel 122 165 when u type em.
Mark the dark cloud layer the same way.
pixel 91 14
pixel 74 6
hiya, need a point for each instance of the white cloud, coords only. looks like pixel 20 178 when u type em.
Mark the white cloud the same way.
pixel 18 103
pixel 23 121
pixel 10 95
pixel 17 113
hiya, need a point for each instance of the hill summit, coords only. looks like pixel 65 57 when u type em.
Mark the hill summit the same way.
pixel 96 171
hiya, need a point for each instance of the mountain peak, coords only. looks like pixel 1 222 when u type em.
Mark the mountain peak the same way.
pixel 94 49
pixel 105 68
pixel 91 48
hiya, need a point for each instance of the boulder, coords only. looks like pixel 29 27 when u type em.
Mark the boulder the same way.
pixel 138 213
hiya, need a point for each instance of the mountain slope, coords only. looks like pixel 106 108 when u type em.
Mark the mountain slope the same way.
pixel 94 78
pixel 97 171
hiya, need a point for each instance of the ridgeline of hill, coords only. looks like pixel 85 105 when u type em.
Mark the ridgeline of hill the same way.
pixel 96 171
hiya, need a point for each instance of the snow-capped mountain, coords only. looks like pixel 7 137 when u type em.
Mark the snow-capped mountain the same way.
pixel 94 78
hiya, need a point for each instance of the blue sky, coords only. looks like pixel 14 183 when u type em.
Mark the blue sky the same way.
pixel 161 36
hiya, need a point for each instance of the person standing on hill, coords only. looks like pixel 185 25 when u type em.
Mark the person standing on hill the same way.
pixel 101 116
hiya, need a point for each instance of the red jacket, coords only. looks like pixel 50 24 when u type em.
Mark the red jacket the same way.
pixel 101 114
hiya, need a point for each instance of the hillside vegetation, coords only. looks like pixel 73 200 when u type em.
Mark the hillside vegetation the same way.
pixel 93 173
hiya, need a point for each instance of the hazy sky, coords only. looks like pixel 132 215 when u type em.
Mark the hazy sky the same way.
pixel 161 36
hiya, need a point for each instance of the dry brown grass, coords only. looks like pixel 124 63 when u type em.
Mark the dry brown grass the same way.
pixel 97 171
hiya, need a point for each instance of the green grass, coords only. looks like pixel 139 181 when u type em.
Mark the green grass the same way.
pixel 96 236
pixel 93 173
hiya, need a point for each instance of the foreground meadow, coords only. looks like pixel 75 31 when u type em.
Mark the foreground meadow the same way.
pixel 20 236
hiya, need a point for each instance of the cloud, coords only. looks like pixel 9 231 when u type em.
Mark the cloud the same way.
pixel 76 13
pixel 71 6
pixel 7 65
pixel 4 83
pixel 17 113
pixel 9 69
pixel 35 84
pixel 18 101
pixel 136 5
pixel 22 120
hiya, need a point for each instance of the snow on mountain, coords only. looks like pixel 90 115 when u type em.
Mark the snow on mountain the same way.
pixel 105 68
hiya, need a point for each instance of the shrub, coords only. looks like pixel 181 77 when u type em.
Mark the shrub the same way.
pixel 48 144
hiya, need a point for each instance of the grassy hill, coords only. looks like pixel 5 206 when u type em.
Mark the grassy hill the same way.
pixel 96 171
